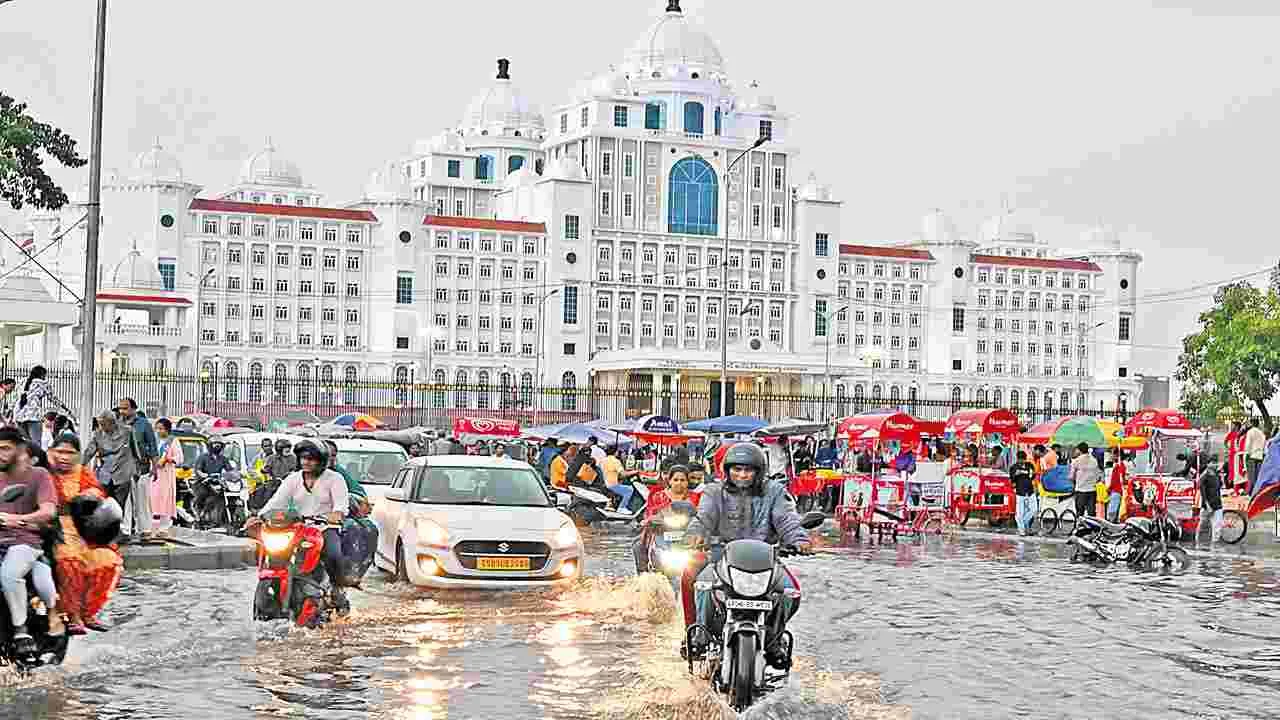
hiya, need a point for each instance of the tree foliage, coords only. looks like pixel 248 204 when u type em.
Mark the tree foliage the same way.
pixel 23 142
pixel 1232 364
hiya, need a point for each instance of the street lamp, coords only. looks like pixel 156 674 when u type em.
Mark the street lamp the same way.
pixel 869 358
pixel 429 336
pixel 204 388
pixel 1080 369
pixel 826 328
pixel 724 284
pixel 537 362
pixel 199 309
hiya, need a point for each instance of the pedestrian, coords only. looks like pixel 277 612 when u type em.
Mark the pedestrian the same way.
pixel 1023 476
pixel 1255 449
pixel 442 445
pixel 143 446
pixel 597 453
pixel 546 454
pixel 1235 434
pixel 1115 488
pixel 1084 478
pixel 164 487
pixel 7 386
pixel 116 467
pixel 37 399
pixel 1210 500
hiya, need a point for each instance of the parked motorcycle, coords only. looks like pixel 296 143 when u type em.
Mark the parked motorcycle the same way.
pixel 224 501
pixel 50 650
pixel 1139 541
pixel 292 582
pixel 749 653
pixel 590 504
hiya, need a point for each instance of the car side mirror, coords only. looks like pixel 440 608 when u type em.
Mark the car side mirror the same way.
pixel 12 493
pixel 394 494
pixel 563 500
pixel 812 520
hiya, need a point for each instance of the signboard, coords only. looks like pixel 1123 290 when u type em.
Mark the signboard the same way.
pixel 486 426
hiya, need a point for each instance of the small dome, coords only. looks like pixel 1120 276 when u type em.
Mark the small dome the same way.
pixel 500 108
pixel 811 190
pixel 520 178
pixel 134 272
pixel 672 40
pixel 1010 225
pixel 388 183
pixel 156 165
pixel 938 227
pixel 269 167
pixel 566 168
pixel 754 100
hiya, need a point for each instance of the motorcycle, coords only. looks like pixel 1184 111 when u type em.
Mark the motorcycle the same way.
pixel 1138 541
pixel 663 547
pixel 224 501
pixel 748 615
pixel 292 582
pixel 50 650
pixel 590 504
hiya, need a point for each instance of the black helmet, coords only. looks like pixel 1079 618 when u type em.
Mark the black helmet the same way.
pixel 313 449
pixel 282 444
pixel 97 520
pixel 751 456
pixel 216 446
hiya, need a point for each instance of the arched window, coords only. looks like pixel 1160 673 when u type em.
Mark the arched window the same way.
pixel 655 116
pixel 876 392
pixel 569 386
pixel 692 198
pixel 718 120
pixel 913 394
pixel 484 167
pixel 1064 401
pixel 304 383
pixel 231 388
pixel 997 397
pixel 526 390
pixel 1081 403
pixel 255 382
pixel 859 391
pixel 402 385
pixel 506 391
pixel 482 390
pixel 349 374
pixel 514 163
pixel 693 117
pixel 280 383
pixel 981 396
pixel 1048 401
pixel 842 400
pixel 461 398
pixel 1014 399
pixel 955 396
pixel 437 396
pixel 326 374
pixel 895 394
pixel 1031 399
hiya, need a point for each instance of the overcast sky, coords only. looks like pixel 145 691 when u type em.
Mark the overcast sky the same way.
pixel 1156 116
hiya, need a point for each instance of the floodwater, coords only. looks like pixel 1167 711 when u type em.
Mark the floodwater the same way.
pixel 957 628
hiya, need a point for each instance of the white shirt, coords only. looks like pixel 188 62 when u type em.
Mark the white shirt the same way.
pixel 598 454
pixel 329 494
pixel 1255 443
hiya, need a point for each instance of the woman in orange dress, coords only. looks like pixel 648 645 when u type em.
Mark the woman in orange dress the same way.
pixel 86 574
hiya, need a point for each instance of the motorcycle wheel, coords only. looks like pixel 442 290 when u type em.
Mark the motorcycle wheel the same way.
pixel 266 599
pixel 1048 521
pixel 743 672
pixel 1173 560
pixel 1235 525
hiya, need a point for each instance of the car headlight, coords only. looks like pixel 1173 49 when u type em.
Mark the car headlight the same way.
pixel 566 536
pixel 277 542
pixel 431 533
pixel 675 522
pixel 750 584
pixel 674 560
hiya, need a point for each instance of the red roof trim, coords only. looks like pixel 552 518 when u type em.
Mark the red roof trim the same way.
pixel 306 211
pixel 882 251
pixel 1044 263
pixel 144 298
pixel 472 223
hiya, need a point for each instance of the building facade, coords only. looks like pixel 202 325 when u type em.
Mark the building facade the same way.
pixel 623 240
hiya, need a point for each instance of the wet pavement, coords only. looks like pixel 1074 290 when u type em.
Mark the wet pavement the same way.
pixel 959 627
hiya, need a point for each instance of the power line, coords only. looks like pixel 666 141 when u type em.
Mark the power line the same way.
pixel 51 243
pixel 42 267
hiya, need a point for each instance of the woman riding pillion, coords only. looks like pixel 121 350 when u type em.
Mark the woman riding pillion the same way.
pixel 743 506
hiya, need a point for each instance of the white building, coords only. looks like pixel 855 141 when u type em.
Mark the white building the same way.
pixel 587 248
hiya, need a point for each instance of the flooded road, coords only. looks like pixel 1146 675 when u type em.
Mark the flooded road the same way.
pixel 956 629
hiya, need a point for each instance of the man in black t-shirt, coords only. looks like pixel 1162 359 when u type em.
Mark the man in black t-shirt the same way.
pixel 1023 476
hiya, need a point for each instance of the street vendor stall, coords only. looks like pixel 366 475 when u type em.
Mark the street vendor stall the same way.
pixel 807 485
pixel 1163 474
pixel 874 486
pixel 472 430
pixel 983 489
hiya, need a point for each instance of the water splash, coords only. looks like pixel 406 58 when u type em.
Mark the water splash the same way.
pixel 647 598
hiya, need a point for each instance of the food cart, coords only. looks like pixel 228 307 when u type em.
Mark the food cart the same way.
pixel 809 486
pixel 984 490
pixel 1057 503
pixel 471 431
pixel 877 499
pixel 1160 471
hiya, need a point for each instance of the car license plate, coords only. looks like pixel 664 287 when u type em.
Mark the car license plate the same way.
pixel 736 604
pixel 673 536
pixel 502 563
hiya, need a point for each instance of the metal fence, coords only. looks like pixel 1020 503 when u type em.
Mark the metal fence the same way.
pixel 260 400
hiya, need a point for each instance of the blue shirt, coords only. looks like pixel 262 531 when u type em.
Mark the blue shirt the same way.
pixel 545 456
pixel 826 457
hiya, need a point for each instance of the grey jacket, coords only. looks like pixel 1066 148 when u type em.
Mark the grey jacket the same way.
pixel 117 456
pixel 771 517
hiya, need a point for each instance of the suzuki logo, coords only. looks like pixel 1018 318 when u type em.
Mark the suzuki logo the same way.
pixel 503 547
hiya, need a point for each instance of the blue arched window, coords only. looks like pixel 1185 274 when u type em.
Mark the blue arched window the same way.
pixel 718 119
pixel 691 198
pixel 514 163
pixel 693 117
pixel 484 167
pixel 655 116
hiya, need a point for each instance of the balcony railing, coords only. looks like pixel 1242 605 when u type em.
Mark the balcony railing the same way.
pixel 138 330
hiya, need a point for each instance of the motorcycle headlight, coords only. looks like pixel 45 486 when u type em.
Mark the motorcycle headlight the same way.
pixel 566 536
pixel 675 522
pixel 277 542
pixel 750 584
pixel 431 533
pixel 674 560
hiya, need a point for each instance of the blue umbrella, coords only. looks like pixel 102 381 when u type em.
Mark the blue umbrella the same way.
pixel 580 433
pixel 728 424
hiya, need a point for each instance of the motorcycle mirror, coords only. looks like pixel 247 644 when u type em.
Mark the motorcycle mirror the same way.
pixel 12 493
pixel 812 520
pixel 563 500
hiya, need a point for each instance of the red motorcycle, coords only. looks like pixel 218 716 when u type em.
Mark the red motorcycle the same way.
pixel 292 582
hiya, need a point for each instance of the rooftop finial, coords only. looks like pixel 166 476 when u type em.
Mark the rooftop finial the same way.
pixel 504 67
pixel 673 6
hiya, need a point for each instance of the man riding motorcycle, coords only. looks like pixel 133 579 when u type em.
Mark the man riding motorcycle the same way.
pixel 282 463
pixel 743 506
pixel 21 524
pixel 211 464
pixel 315 490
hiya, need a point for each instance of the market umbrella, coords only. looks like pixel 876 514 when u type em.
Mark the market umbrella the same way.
pixel 1068 432
pixel 787 427
pixel 578 433
pixel 728 424
pixel 358 421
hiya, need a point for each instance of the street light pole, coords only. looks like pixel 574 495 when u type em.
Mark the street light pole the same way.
pixel 200 309
pixel 89 311
pixel 724 284
pixel 537 357
pixel 826 382
pixel 1080 370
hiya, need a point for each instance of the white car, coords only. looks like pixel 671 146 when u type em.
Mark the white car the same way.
pixel 469 521
pixel 373 463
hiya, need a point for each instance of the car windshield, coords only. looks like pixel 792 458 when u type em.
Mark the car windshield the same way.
pixel 481 486
pixel 372 467
pixel 192 449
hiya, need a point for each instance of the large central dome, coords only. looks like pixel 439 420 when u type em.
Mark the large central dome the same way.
pixel 500 109
pixel 674 40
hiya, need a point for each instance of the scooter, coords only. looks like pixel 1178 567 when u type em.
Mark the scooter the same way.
pixel 663 545
pixel 749 648
pixel 50 650
pixel 590 504
pixel 292 582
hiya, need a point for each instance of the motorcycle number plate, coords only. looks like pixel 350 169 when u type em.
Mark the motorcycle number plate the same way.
pixel 736 604
pixel 502 563
pixel 672 536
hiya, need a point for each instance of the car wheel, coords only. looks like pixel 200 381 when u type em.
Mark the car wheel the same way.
pixel 402 569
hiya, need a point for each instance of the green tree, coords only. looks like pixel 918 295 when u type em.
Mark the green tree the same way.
pixel 1232 364
pixel 23 139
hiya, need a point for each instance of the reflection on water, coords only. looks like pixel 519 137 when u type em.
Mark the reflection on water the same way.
pixel 944 629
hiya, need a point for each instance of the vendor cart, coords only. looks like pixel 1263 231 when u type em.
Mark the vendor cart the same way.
pixel 983 490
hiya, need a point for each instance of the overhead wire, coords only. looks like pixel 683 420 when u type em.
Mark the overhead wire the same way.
pixel 51 243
